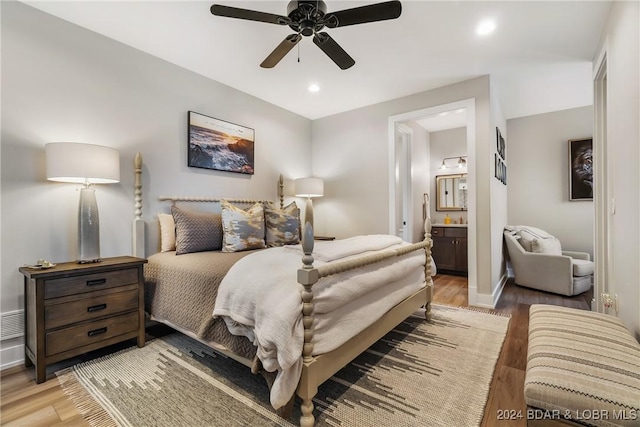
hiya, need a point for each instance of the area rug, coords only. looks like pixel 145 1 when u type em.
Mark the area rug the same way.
pixel 426 374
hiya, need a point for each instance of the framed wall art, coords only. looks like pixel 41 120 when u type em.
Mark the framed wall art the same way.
pixel 219 145
pixel 581 169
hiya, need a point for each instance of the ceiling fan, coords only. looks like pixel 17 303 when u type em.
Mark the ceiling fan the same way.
pixel 308 18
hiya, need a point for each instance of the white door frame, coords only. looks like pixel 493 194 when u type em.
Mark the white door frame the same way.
pixel 470 106
pixel 604 202
pixel 404 136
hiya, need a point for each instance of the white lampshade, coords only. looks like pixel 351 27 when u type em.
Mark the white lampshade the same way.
pixel 82 163
pixel 309 187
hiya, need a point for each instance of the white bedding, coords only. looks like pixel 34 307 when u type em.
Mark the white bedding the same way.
pixel 260 298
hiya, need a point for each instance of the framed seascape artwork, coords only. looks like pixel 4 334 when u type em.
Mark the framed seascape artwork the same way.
pixel 581 169
pixel 219 145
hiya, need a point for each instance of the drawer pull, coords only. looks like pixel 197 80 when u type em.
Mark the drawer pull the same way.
pixel 96 308
pixel 96 282
pixel 97 332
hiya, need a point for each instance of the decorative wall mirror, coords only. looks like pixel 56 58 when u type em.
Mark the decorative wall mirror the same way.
pixel 451 192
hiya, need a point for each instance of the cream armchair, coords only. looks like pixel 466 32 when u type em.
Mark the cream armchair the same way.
pixel 538 262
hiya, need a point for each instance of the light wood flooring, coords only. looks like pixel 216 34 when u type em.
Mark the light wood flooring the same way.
pixel 25 403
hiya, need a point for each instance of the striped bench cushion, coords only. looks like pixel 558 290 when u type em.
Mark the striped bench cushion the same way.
pixel 582 365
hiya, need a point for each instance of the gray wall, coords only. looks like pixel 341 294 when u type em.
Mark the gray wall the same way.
pixel 61 82
pixel 538 182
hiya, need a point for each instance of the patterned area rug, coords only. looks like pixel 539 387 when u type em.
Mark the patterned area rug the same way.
pixel 427 374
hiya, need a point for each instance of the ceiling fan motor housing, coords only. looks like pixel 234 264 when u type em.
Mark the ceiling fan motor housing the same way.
pixel 307 16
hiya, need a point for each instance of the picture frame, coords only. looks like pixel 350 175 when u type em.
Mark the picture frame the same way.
pixel 581 169
pixel 219 145
pixel 501 145
pixel 500 169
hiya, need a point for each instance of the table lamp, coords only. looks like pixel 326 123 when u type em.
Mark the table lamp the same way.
pixel 85 164
pixel 309 187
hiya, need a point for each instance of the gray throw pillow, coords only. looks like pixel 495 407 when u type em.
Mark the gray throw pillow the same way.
pixel 196 231
pixel 283 225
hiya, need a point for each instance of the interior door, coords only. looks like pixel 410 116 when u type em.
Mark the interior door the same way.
pixel 403 182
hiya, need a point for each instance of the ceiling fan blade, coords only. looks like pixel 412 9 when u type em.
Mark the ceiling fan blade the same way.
pixel 281 50
pixel 333 50
pixel 364 14
pixel 251 15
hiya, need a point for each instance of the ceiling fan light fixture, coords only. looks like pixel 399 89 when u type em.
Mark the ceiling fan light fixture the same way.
pixel 308 18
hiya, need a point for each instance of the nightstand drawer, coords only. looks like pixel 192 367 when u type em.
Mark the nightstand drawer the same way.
pixel 89 333
pixel 88 308
pixel 55 288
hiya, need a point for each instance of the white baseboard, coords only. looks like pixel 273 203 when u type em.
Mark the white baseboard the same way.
pixel 11 356
pixel 486 300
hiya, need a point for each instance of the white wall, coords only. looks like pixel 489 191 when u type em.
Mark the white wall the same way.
pixel 350 151
pixel 61 82
pixel 622 39
pixel 538 176
pixel 446 143
pixel 499 198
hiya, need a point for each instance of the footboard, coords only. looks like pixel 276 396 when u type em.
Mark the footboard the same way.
pixel 317 369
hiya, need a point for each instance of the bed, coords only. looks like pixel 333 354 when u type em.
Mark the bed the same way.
pixel 331 292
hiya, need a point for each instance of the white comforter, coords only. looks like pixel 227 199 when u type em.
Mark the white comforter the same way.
pixel 260 298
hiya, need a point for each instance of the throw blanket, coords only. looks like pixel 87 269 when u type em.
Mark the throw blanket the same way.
pixel 331 251
pixel 260 299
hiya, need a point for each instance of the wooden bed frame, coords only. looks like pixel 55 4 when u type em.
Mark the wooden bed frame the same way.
pixel 316 369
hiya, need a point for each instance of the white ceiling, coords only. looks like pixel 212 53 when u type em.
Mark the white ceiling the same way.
pixel 539 56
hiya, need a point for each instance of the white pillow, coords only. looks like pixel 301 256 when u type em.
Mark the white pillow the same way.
pixel 549 246
pixel 528 234
pixel 167 232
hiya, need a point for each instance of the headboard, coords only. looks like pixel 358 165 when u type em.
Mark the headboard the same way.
pixel 146 235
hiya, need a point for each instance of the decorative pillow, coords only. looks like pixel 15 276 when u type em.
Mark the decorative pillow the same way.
pixel 283 225
pixel 243 230
pixel 550 246
pixel 196 231
pixel 167 232
pixel 528 234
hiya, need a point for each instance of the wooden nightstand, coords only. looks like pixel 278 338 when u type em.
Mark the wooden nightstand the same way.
pixel 73 308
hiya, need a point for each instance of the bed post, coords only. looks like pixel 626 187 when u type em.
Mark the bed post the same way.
pixel 307 277
pixel 138 223
pixel 427 250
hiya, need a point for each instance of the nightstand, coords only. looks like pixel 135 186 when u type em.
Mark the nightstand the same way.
pixel 73 308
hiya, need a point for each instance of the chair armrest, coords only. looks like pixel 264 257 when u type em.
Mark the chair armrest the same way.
pixel 577 255
pixel 551 273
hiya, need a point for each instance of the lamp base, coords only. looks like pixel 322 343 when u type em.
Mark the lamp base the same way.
pixel 88 227
pixel 89 261
pixel 308 212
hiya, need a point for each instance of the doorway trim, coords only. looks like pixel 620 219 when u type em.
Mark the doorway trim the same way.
pixel 604 203
pixel 404 173
pixel 470 106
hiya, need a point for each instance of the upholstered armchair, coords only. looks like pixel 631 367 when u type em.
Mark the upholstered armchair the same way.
pixel 539 262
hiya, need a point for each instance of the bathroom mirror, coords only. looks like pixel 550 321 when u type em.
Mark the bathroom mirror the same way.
pixel 451 192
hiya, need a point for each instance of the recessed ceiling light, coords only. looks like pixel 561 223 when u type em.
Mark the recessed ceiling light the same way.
pixel 486 27
pixel 313 87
